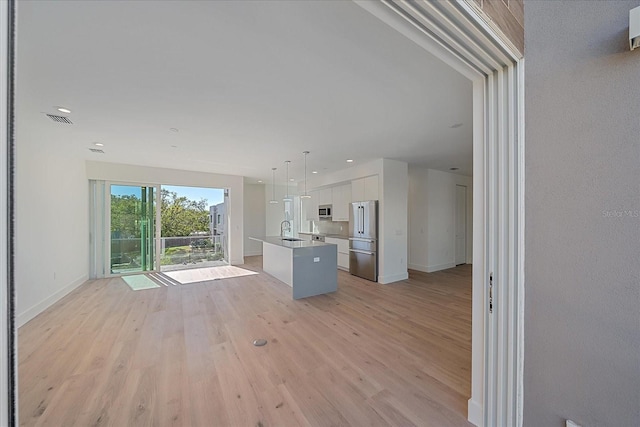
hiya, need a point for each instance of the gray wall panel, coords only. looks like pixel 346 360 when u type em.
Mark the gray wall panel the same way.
pixel 582 243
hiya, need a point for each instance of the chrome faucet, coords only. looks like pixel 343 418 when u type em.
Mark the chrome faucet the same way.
pixel 284 226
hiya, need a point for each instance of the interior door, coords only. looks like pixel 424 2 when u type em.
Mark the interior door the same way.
pixel 461 224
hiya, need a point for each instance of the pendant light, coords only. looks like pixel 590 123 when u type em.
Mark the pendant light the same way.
pixel 287 198
pixel 305 195
pixel 273 200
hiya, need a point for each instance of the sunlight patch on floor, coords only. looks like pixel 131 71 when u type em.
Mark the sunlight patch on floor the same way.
pixel 139 282
pixel 205 274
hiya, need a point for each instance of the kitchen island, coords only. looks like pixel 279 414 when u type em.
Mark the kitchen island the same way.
pixel 309 267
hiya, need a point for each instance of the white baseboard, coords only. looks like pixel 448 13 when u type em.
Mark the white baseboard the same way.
pixel 439 267
pixel 385 280
pixel 253 253
pixel 474 413
pixel 418 267
pixel 30 313
pixel 431 268
pixel 237 261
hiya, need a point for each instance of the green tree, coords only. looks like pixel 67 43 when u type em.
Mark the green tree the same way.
pixel 125 212
pixel 182 216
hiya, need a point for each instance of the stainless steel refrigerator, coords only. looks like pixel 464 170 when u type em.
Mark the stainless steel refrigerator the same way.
pixel 363 239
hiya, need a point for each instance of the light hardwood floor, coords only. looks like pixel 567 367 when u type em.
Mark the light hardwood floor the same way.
pixel 368 354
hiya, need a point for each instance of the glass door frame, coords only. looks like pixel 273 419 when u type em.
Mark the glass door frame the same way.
pixel 107 222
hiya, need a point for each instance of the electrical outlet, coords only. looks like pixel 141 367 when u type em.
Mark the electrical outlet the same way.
pixel 572 424
pixel 316 259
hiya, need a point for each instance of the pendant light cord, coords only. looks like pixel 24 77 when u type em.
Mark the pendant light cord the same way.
pixel 273 199
pixel 287 181
pixel 305 173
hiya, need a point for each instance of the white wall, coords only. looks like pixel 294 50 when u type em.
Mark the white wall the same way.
pixel 393 221
pixel 254 217
pixel 150 175
pixel 432 207
pixel 52 227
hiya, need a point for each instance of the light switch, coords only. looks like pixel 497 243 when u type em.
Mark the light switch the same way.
pixel 316 259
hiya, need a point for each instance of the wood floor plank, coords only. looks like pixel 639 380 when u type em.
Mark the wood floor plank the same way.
pixel 182 354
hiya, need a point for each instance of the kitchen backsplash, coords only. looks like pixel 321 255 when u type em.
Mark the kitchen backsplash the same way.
pixel 331 227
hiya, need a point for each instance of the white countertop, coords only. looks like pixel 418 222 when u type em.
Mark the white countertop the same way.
pixel 277 240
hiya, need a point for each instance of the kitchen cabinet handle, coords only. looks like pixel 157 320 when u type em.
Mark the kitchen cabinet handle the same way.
pixel 361 252
pixel 360 239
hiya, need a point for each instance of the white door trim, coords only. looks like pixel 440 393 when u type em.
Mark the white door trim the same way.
pixel 455 33
pixel 106 267
pixel 8 332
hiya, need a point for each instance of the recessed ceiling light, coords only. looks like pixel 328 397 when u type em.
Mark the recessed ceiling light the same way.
pixel 349 160
pixel 457 125
pixel 174 130
pixel 63 110
pixel 259 181
pixel 98 144
pixel 314 171
pixel 292 179
pixel 453 169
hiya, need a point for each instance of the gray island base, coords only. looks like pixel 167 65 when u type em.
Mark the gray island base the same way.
pixel 309 267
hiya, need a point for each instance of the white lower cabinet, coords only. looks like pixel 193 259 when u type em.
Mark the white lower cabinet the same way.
pixel 343 251
pixel 343 261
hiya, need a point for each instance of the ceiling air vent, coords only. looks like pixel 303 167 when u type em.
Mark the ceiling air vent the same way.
pixel 60 119
pixel 96 150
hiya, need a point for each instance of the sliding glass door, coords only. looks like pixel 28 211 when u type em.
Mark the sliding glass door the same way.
pixel 132 228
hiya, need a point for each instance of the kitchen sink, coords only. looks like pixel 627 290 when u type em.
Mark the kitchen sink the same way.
pixel 291 239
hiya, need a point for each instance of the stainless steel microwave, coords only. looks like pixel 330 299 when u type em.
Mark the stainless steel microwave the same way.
pixel 324 211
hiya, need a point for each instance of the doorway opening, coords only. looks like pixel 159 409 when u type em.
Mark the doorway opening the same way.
pixel 132 228
pixel 140 228
pixel 460 37
pixel 194 228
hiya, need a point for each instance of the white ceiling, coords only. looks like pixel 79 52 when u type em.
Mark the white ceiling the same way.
pixel 249 84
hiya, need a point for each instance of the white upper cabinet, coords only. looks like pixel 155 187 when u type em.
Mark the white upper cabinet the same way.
pixel 364 189
pixel 357 190
pixel 324 196
pixel 341 201
pixel 371 188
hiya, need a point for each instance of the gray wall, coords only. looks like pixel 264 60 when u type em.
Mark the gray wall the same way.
pixel 582 303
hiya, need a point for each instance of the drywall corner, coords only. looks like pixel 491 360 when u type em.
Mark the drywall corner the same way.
pixel 33 311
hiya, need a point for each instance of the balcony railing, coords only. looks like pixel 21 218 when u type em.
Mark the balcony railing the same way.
pixel 189 251
pixel 175 252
